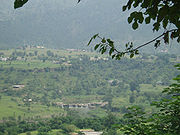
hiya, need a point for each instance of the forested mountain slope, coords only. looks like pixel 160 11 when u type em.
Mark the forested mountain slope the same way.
pixel 66 24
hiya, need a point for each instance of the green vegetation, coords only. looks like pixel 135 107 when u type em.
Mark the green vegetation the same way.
pixel 73 90
pixel 83 90
pixel 47 77
pixel 165 120
pixel 12 107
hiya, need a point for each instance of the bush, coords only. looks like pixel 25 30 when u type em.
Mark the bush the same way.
pixel 68 128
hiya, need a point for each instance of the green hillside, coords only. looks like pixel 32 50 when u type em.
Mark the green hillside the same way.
pixel 36 82
pixel 47 91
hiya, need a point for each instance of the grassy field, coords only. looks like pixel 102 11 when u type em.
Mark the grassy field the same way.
pixel 123 100
pixel 28 65
pixel 81 99
pixel 32 133
pixel 62 53
pixel 32 62
pixel 13 107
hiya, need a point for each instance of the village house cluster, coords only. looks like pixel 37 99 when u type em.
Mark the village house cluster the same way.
pixel 79 105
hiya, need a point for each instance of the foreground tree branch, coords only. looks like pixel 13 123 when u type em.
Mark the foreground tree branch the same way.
pixel 160 13
pixel 108 45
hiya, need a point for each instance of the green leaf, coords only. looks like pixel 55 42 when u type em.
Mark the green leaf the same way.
pixel 103 50
pixel 132 55
pixel 111 51
pixel 90 41
pixel 103 40
pixel 135 25
pixel 94 37
pixel 124 8
pixel 156 26
pixel 162 13
pixel 113 56
pixel 129 4
pixel 127 45
pixel 140 17
pixel 133 14
pixel 95 48
pixel 130 19
pixel 110 41
pixel 157 44
pixel 136 3
pixel 19 3
pixel 166 38
pixel 136 52
pixel 118 56
pixel 165 22
pixel 148 20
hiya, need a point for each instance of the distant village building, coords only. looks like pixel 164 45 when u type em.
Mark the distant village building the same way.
pixel 90 132
pixel 114 82
pixel 87 105
pixel 40 47
pixel 105 59
pixel 110 81
pixel 72 50
pixel 159 82
pixel 98 58
pixel 67 63
pixel 19 58
pixel 18 86
pixel 4 59
pixel 94 58
pixel 57 62
pixel 30 100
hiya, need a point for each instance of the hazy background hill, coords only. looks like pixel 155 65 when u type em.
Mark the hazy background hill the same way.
pixel 66 24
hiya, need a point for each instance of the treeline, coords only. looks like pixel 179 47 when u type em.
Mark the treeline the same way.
pixel 67 124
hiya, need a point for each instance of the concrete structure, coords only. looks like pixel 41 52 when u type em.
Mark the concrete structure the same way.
pixel 91 133
pixel 18 86
pixel 87 105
